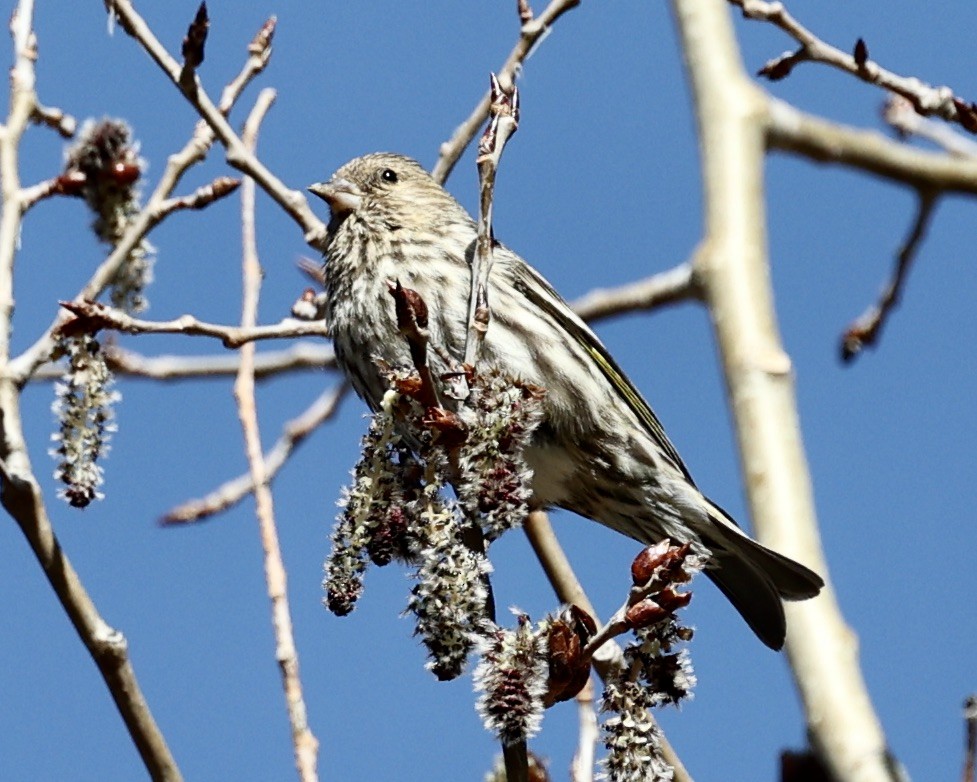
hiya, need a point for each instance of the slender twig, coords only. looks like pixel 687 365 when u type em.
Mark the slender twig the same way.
pixel 926 99
pixel 193 152
pixel 202 197
pixel 294 433
pixel 22 499
pixel 609 658
pixel 970 739
pixel 238 155
pixel 516 759
pixel 64 124
pixel 531 34
pixel 582 767
pixel 867 327
pixel 305 743
pixel 101 316
pixel 20 493
pixel 504 122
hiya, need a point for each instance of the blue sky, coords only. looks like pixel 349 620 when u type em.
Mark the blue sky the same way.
pixel 599 187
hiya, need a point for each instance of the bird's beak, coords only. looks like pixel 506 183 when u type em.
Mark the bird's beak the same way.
pixel 341 195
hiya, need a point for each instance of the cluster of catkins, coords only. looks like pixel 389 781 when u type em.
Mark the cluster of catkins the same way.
pixel 398 508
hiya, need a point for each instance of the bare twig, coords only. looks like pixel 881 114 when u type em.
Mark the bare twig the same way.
pixel 97 316
pixel 305 743
pixel 926 99
pixel 503 123
pixel 193 152
pixel 228 494
pixel 54 118
pixel 300 357
pixel 202 197
pixel 531 35
pixel 22 499
pixel 238 155
pixel 867 328
pixel 516 758
pixel 20 493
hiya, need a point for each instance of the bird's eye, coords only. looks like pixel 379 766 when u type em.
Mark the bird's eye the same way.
pixel 388 175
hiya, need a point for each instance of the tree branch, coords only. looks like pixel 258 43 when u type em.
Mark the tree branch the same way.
pixel 867 328
pixel 669 287
pixel 305 744
pixel 733 269
pixel 93 316
pixel 152 213
pixel 531 34
pixel 20 494
pixel 792 130
pixel 927 100
pixel 232 492
pixel 238 155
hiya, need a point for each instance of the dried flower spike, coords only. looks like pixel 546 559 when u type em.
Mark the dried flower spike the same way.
pixel 84 410
pixel 512 678
pixel 103 167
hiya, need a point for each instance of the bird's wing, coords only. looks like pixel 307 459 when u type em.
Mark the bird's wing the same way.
pixel 540 294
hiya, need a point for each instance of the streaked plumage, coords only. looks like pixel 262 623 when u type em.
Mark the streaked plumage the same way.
pixel 601 451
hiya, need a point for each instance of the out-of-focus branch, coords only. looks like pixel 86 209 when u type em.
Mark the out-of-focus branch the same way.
pixel 305 744
pixel 867 328
pixel 609 658
pixel 582 767
pixel 56 119
pixel 193 152
pixel 926 99
pixel 669 287
pixel 733 269
pixel 531 34
pixel 102 316
pixel 20 493
pixel 238 155
pixel 792 130
pixel 232 492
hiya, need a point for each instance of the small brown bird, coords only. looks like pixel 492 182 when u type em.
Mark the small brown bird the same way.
pixel 600 452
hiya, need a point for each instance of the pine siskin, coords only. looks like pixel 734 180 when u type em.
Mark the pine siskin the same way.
pixel 600 450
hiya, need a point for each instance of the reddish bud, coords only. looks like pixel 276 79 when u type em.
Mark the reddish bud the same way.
pixel 569 668
pixel 644 614
pixel 672 601
pixel 778 69
pixel 193 44
pixel 70 183
pixel 123 174
pixel 644 565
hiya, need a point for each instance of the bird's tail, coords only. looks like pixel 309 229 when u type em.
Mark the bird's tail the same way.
pixel 756 579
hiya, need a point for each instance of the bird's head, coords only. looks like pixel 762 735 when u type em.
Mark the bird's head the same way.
pixel 386 192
